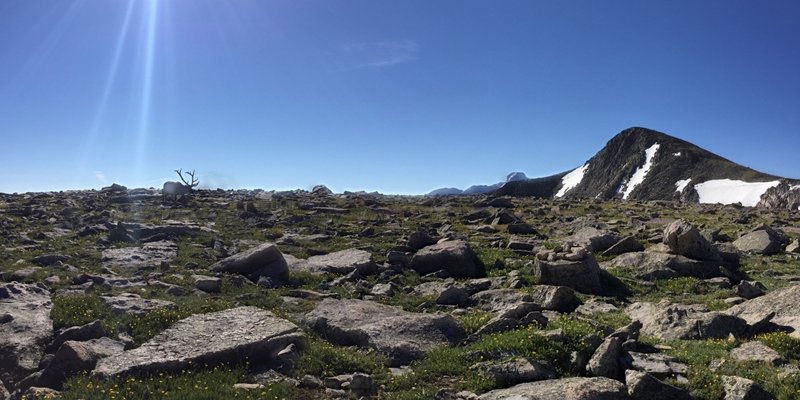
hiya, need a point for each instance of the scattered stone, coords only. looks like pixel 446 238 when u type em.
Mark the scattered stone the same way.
pixel 133 304
pixel 604 361
pixel 657 364
pixel 400 335
pixel 628 244
pixel 643 386
pixel 783 304
pixel 756 351
pixel 345 262
pixel 92 330
pixel 225 336
pixel 750 289
pixel 264 260
pixel 562 389
pixel 737 388
pixel 147 256
pixel 594 306
pixel 582 275
pixel 208 284
pixel 516 371
pixel 556 298
pixel 74 357
pixel 456 257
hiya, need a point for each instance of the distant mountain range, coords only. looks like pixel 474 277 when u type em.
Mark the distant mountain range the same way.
pixel 643 164
pixel 479 189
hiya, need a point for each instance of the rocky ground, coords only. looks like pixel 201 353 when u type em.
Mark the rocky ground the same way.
pixel 117 294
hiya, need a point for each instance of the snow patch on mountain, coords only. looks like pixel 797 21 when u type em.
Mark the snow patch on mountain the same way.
pixel 641 172
pixel 571 180
pixel 678 154
pixel 729 191
pixel 681 184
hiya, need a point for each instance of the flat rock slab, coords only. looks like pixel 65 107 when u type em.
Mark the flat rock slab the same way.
pixel 148 255
pixel 225 336
pixel 400 335
pixel 650 266
pixel 668 321
pixel 785 303
pixel 343 262
pixel 262 260
pixel 562 389
pixel 25 328
pixel 133 304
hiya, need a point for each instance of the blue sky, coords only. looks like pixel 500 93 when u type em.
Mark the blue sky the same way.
pixel 398 97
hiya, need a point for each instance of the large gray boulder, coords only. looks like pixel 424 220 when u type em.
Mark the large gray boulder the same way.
pixel 582 275
pixel 668 321
pixel 231 335
pixel 784 303
pixel 562 389
pixel 455 256
pixel 556 298
pixel 650 266
pixel 25 329
pixel 400 335
pixel 263 260
pixel 738 388
pixel 763 240
pixel 643 386
pixel 683 238
pixel 73 358
pixel 594 239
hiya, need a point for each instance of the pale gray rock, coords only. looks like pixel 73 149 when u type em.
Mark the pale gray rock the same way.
pixel 648 265
pixel 147 256
pixel 657 364
pixel 763 240
pixel 668 321
pixel 593 306
pixel 784 303
pixel 224 336
pixel 133 304
pixel 516 371
pixel 643 386
pixel 263 260
pixel 582 275
pixel 604 360
pixel 593 239
pixel 738 388
pixel 556 298
pixel 344 262
pixel 562 389
pixel 208 284
pixel 684 239
pixel 400 335
pixel 756 351
pixel 92 330
pixel 455 256
pixel 25 329
pixel 75 357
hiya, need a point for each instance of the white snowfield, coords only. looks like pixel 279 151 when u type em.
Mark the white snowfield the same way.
pixel 681 184
pixel 729 191
pixel 571 180
pixel 640 173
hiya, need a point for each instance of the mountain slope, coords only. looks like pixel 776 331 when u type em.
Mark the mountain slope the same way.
pixel 643 164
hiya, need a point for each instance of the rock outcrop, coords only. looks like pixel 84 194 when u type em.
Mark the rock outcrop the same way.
pixel 25 329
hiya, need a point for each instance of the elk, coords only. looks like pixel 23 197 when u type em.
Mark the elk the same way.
pixel 175 189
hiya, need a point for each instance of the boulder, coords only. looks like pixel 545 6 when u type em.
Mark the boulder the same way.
pixel 750 289
pixel 456 257
pixel 345 262
pixel 264 260
pixel 74 357
pixel 556 298
pixel 660 365
pixel 756 351
pixel 604 360
pixel 683 238
pixel 92 330
pixel 668 321
pixel 593 239
pixel 562 389
pixel 628 244
pixel 783 303
pixel 232 335
pixel 25 329
pixel 208 284
pixel 643 386
pixel 516 371
pixel 582 275
pixel 738 388
pixel 400 335
pixel 650 266
pixel 763 240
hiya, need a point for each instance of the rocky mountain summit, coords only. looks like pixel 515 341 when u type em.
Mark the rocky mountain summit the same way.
pixel 643 164
pixel 127 294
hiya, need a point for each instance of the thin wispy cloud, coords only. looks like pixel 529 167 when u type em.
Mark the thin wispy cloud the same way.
pixel 101 177
pixel 379 54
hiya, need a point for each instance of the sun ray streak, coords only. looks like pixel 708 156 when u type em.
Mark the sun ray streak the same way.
pixel 147 86
pixel 111 78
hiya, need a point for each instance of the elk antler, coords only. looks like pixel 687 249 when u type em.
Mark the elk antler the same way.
pixel 194 183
